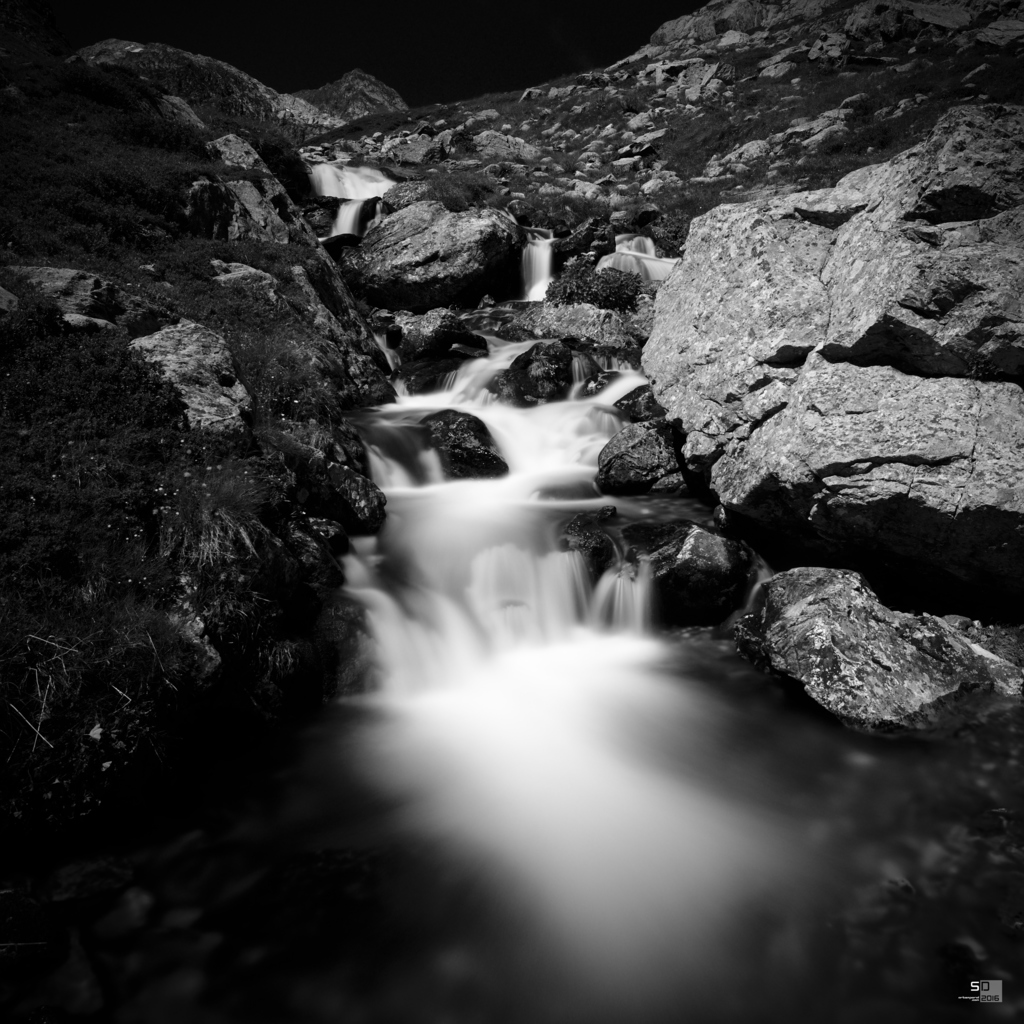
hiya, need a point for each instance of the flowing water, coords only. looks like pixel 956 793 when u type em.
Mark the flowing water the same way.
pixel 530 725
pixel 635 254
pixel 361 187
pixel 537 264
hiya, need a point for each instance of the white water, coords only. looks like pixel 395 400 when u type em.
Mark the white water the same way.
pixel 355 184
pixel 537 264
pixel 521 708
pixel 635 254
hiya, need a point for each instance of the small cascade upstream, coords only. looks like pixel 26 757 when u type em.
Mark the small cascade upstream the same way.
pixel 537 261
pixel 518 708
pixel 635 254
pixel 362 187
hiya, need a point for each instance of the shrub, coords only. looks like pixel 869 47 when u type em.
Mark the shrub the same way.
pixel 609 289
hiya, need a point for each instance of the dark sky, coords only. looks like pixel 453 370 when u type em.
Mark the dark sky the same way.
pixel 430 52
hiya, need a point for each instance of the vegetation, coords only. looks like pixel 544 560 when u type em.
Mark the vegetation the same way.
pixel 609 288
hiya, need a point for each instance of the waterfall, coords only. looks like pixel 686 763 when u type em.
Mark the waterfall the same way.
pixel 361 186
pixel 519 714
pixel 537 264
pixel 635 254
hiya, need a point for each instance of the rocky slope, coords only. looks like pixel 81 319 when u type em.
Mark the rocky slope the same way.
pixel 204 82
pixel 356 94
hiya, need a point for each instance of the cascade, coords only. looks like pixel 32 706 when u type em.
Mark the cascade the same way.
pixel 361 186
pixel 516 704
pixel 635 254
pixel 537 264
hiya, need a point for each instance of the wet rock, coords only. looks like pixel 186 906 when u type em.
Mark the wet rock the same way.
pixel 359 505
pixel 431 335
pixel 896 435
pixel 638 457
pixel 424 256
pixel 425 375
pixel 541 374
pixel 318 544
pixel 640 405
pixel 586 534
pixel 198 363
pixel 876 669
pixel 320 213
pixel 699 576
pixel 464 445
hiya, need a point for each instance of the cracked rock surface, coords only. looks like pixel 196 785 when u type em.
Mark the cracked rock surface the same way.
pixel 877 669
pixel 849 361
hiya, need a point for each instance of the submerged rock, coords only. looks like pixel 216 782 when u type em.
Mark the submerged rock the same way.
pixel 877 669
pixel 638 457
pixel 700 577
pixel 464 445
pixel 585 533
pixel 424 256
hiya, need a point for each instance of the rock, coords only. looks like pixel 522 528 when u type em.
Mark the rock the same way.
pixel 360 502
pixel 356 94
pixel 640 405
pixel 431 335
pixel 637 458
pixel 205 82
pixel 240 275
pixel 343 352
pixel 492 145
pixel 235 210
pixel 424 256
pixel 413 149
pixel 464 445
pixel 80 294
pixel 699 576
pixel 235 152
pixel 583 320
pixel 1002 32
pixel 830 48
pixel 901 457
pixel 86 324
pixel 784 69
pixel 320 213
pixel 405 193
pixel 425 375
pixel 175 109
pixel 876 669
pixel 198 363
pixel 541 374
pixel 8 302
pixel 585 533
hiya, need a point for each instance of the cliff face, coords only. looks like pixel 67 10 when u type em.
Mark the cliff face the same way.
pixel 355 94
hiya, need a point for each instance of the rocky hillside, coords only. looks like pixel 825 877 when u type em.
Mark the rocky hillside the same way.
pixel 208 86
pixel 356 94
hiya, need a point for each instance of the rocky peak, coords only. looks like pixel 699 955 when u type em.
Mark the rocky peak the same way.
pixel 356 94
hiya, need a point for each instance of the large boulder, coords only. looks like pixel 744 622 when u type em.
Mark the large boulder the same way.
pixel 255 207
pixel 424 256
pixel 876 669
pixel 840 360
pixel 699 576
pixel 198 363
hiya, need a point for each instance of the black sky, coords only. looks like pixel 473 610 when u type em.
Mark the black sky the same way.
pixel 430 52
